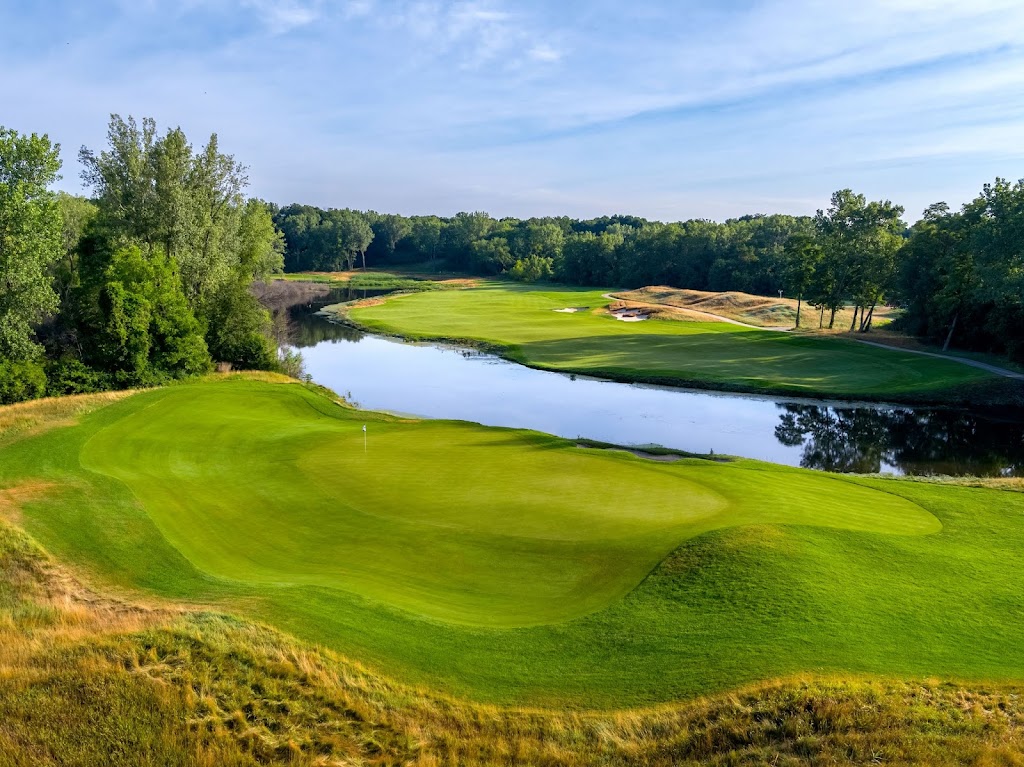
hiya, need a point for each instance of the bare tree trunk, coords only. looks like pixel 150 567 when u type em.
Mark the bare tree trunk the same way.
pixel 363 254
pixel 949 336
pixel 799 302
pixel 821 317
pixel 853 324
pixel 865 322
pixel 832 319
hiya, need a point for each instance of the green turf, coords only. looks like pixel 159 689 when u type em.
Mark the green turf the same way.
pixel 522 320
pixel 511 566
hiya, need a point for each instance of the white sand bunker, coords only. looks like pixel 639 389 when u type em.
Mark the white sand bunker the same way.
pixel 631 315
pixel 572 309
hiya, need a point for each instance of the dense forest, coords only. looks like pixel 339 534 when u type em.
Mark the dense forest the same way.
pixel 150 277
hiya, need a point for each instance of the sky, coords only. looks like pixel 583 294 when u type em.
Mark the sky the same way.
pixel 668 109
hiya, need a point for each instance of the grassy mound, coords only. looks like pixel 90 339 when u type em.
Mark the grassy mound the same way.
pixel 92 680
pixel 513 567
pixel 525 324
pixel 763 311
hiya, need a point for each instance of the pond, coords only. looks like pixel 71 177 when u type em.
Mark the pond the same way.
pixel 438 381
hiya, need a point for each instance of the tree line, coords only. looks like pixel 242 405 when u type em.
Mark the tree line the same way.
pixel 146 281
pixel 957 275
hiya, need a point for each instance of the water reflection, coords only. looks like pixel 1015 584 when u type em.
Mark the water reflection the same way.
pixel 904 440
pixel 294 307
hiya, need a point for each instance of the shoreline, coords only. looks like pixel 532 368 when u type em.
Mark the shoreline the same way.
pixel 1001 392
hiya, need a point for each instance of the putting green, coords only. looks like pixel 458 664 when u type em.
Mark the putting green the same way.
pixel 523 320
pixel 445 519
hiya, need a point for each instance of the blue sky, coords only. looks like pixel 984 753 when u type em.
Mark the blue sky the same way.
pixel 667 109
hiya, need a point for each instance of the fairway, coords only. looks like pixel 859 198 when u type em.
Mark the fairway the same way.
pixel 524 323
pixel 511 566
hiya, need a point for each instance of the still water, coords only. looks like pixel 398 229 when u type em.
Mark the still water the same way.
pixel 447 382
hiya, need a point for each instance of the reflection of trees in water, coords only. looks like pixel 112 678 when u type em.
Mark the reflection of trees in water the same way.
pixel 302 327
pixel 296 322
pixel 953 442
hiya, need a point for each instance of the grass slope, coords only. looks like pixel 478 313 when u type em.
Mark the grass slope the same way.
pixel 91 680
pixel 763 311
pixel 523 321
pixel 512 567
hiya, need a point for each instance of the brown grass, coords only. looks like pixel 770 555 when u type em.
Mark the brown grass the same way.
pixel 761 311
pixel 34 417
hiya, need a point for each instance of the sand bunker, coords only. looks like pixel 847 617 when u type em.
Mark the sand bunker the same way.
pixel 631 315
pixel 572 309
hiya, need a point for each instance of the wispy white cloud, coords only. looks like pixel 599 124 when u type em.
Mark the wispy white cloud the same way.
pixel 671 108
pixel 285 15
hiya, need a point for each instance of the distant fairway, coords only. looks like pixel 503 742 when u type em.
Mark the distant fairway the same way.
pixel 510 566
pixel 523 320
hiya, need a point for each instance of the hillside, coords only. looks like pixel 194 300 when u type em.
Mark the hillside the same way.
pixel 760 311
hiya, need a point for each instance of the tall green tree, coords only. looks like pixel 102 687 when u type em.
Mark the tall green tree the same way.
pixel 801 259
pixel 142 329
pixel 187 207
pixel 859 240
pixel 30 239
pixel 347 235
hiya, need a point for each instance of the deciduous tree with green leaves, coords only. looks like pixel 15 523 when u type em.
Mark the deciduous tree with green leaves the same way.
pixel 30 239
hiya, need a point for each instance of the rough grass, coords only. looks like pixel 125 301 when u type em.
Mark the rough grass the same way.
pixel 763 311
pixel 374 280
pixel 87 680
pixel 522 323
pixel 769 572
pixel 33 417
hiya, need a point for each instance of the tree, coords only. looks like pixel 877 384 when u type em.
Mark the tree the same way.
pixel 859 241
pixel 491 256
pixel 347 235
pixel 260 243
pixel 801 259
pixel 143 330
pixel 459 235
pixel 425 236
pixel 531 269
pixel 390 229
pixel 77 213
pixel 30 239
pixel 186 212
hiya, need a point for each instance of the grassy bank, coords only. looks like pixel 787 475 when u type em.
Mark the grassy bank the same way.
pixel 524 324
pixel 92 680
pixel 512 567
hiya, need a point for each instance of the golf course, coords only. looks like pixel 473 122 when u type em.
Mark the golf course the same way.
pixel 511 567
pixel 530 325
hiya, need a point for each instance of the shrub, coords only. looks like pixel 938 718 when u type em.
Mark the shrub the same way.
pixel 21 380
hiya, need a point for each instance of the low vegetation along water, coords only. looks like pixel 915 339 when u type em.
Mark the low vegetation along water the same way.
pixel 439 381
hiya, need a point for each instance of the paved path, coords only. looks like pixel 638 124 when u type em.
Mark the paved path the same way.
pixel 972 363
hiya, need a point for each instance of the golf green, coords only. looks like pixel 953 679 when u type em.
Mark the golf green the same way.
pixel 515 567
pixel 525 323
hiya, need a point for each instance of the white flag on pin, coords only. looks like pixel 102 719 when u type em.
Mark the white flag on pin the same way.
pixel 364 427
